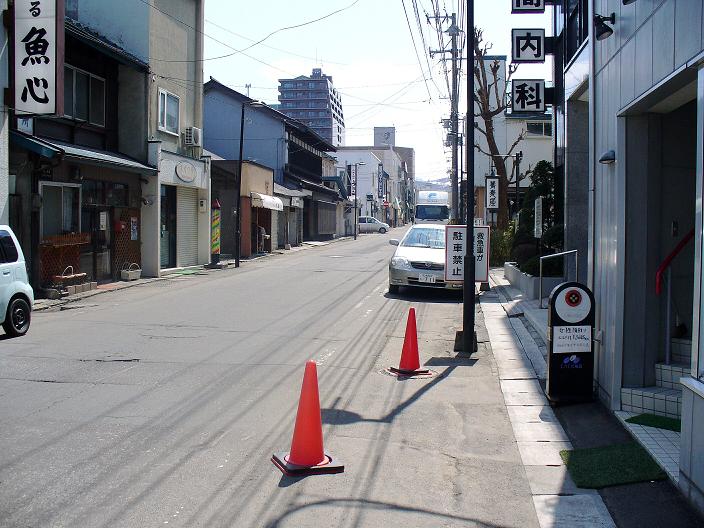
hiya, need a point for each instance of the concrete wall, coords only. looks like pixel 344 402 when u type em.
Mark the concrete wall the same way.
pixel 132 109
pixel 170 39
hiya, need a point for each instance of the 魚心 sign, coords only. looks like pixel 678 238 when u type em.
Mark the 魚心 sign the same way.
pixel 37 72
pixel 456 248
pixel 528 95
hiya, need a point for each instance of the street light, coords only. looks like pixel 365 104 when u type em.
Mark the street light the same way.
pixel 238 229
pixel 358 164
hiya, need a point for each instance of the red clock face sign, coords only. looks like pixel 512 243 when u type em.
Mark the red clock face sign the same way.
pixel 573 298
pixel 573 305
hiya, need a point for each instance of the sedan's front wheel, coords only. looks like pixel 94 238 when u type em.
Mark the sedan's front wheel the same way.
pixel 17 318
pixel 382 230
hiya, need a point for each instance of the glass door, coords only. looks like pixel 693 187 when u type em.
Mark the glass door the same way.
pixel 168 227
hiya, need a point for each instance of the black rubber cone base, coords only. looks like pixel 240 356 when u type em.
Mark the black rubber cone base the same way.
pixel 420 373
pixel 330 466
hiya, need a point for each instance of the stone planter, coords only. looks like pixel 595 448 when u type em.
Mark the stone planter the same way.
pixel 528 284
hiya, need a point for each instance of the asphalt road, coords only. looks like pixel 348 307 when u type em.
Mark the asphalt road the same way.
pixel 162 404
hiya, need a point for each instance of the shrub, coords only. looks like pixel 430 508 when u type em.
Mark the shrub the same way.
pixel 551 267
pixel 521 253
pixel 501 243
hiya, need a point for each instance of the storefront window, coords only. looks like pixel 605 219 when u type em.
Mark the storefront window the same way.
pixel 60 209
pixel 105 193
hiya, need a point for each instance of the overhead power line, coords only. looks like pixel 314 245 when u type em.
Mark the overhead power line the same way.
pixel 415 48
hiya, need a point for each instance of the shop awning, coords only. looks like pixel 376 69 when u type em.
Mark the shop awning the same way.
pixel 267 202
pixel 34 144
pixel 100 158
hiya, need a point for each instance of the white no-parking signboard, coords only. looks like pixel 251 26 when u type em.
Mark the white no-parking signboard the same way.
pixel 455 250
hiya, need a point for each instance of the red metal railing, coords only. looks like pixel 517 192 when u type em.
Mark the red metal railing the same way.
pixel 668 260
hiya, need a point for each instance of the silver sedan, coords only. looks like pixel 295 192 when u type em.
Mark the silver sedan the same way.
pixel 419 259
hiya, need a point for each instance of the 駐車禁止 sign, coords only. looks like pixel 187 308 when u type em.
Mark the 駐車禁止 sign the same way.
pixel 456 248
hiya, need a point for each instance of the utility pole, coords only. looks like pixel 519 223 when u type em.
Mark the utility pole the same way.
pixel 468 297
pixel 519 157
pixel 454 32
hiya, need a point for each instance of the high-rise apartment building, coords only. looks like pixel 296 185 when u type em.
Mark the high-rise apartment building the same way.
pixel 315 102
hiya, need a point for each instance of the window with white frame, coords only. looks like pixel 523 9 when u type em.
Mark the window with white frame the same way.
pixel 539 128
pixel 169 112
pixel 61 207
pixel 84 96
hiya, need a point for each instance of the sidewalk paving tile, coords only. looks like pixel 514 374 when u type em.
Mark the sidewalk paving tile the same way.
pixel 553 480
pixel 542 453
pixel 574 511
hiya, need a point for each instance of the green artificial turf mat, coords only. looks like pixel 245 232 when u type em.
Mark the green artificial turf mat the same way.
pixel 600 467
pixel 653 420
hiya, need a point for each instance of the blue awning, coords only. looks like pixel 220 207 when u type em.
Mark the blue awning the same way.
pixel 33 144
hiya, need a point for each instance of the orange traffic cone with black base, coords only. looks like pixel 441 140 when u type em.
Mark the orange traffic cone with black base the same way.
pixel 409 366
pixel 307 456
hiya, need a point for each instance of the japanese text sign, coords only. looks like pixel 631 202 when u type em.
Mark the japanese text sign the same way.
pixel 36 67
pixel 527 6
pixel 380 182
pixel 353 180
pixel 456 249
pixel 527 45
pixel 538 219
pixel 492 194
pixel 528 95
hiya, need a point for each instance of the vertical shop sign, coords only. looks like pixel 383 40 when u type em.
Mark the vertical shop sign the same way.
pixel 38 67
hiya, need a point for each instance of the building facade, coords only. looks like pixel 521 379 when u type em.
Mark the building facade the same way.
pixel 629 152
pixel 314 101
pixel 297 155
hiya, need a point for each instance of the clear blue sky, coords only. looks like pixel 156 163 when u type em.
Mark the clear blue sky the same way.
pixel 369 52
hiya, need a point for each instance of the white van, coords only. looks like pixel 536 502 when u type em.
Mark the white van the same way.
pixel 16 295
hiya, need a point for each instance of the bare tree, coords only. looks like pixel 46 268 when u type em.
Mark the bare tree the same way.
pixel 491 101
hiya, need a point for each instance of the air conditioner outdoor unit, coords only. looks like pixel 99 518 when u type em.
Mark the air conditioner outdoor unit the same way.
pixel 193 137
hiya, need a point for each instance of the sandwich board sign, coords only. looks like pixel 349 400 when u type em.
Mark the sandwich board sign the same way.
pixel 570 343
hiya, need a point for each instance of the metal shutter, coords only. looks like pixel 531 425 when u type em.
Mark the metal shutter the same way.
pixel 186 226
pixel 327 217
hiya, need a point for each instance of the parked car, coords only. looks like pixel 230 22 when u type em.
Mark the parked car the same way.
pixel 16 295
pixel 369 224
pixel 419 259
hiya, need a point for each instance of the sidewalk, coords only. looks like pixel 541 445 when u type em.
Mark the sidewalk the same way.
pixel 518 331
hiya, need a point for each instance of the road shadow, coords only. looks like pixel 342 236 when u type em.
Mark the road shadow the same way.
pixel 427 295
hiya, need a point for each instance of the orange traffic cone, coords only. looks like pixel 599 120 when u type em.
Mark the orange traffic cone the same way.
pixel 307 456
pixel 410 363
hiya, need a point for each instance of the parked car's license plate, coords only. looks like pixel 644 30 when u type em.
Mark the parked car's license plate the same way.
pixel 426 277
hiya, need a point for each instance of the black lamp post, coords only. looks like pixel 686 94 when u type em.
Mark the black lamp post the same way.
pixel 468 298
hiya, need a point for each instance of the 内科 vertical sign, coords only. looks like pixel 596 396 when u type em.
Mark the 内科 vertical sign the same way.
pixel 527 6
pixel 538 225
pixel 36 66
pixel 527 45
pixel 455 250
pixel 528 95
pixel 491 201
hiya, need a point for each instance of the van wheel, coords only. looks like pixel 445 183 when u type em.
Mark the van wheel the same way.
pixel 17 318
pixel 382 230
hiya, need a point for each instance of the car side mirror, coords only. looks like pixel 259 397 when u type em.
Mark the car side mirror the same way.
pixel 393 242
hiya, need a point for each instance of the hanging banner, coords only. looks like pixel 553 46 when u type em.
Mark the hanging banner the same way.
pixel 38 66
pixel 528 95
pixel 455 250
pixel 492 194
